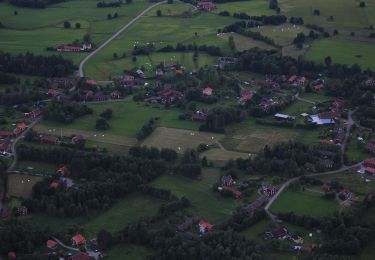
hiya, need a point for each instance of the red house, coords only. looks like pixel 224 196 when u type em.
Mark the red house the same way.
pixel 81 256
pixel 369 163
pixel 7 134
pixel 78 240
pixel 206 5
pixel 205 226
pixel 53 92
pixel 370 171
pixel 50 140
pixel 207 91
pixel 51 244
pixel 63 171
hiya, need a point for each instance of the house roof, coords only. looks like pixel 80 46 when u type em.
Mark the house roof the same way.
pixel 21 126
pixel 283 116
pixel 63 170
pixel 370 169
pixel 370 161
pixel 51 243
pixel 78 239
pixel 54 184
pixel 81 256
pixel 205 225
pixel 207 90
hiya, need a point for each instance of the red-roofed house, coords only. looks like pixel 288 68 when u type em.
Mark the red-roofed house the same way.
pixel 205 226
pixel 54 184
pixel 326 187
pixel 292 78
pixel 370 171
pixel 329 115
pixel 53 92
pixel 369 163
pixel 50 140
pixel 207 91
pixel 63 171
pixel 78 240
pixel 20 127
pixel 5 145
pixel 91 82
pixel 206 5
pixel 7 134
pixel 246 95
pixel 51 244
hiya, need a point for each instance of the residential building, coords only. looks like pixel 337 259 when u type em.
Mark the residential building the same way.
pixel 207 91
pixel 206 5
pixel 50 140
pixel 369 163
pixel 78 240
pixel 51 244
pixel 205 227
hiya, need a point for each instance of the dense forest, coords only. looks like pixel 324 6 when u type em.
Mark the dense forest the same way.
pixel 34 3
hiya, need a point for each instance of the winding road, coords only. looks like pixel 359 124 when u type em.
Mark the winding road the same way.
pixel 93 53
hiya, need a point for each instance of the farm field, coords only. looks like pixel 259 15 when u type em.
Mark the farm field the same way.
pixel 128 118
pixel 304 203
pixel 205 204
pixel 250 137
pixel 347 14
pixel 160 31
pixel 243 43
pixel 352 181
pixel 251 7
pixel 20 185
pixel 179 139
pixel 131 252
pixel 126 210
pixel 222 156
pixel 36 30
pixel 344 52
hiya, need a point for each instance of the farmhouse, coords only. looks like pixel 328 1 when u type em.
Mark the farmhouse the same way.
pixel 81 256
pixel 278 233
pixel 326 187
pixel 227 180
pixel 51 244
pixel 326 164
pixel 50 140
pixel 52 92
pixel 22 211
pixel 204 226
pixel 68 48
pixel 78 240
pixel 207 91
pixel 206 5
pixel 128 80
pixel 62 82
pixel 54 184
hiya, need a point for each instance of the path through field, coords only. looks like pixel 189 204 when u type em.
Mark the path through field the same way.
pixel 126 26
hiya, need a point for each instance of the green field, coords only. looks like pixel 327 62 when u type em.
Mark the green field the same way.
pixel 35 29
pixel 205 203
pixel 257 231
pixel 126 210
pixel 297 108
pixel 344 52
pixel 315 97
pixel 128 118
pixel 243 43
pixel 160 31
pixel 304 203
pixel 251 7
pixel 38 168
pixel 128 252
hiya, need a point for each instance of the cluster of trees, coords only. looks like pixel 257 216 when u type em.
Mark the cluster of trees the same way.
pixel 36 65
pixel 263 19
pixel 107 179
pixel 153 153
pixel 34 3
pixel 256 36
pixel 210 49
pixel 143 49
pixel 190 165
pixel 6 78
pixel 109 4
pixel 110 16
pixel 101 122
pixel 218 118
pixel 21 237
pixel 296 20
pixel 65 113
pixel 21 96
pixel 274 5
pixel 366 116
pixel 146 129
pixel 241 219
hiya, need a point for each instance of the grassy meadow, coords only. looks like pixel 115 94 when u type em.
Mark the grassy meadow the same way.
pixel 304 203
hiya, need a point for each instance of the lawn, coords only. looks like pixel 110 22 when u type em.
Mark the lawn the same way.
pixel 35 29
pixel 257 231
pixel 356 152
pixel 128 252
pixel 315 97
pixel 297 108
pixel 20 185
pixel 344 52
pixel 126 210
pixel 304 203
pixel 205 203
pixel 36 168
pixel 128 118
pixel 352 181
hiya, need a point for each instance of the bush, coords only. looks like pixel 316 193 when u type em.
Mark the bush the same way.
pixel 67 25
pixel 101 124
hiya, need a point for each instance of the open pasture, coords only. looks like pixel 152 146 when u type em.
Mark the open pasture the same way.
pixel 250 137
pixel 37 168
pixel 304 203
pixel 128 118
pixel 180 139
pixel 251 7
pixel 20 185
pixel 222 156
pixel 205 203
pixel 343 52
pixel 243 43
pixel 36 29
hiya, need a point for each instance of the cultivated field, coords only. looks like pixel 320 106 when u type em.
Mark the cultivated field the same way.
pixel 205 203
pixel 20 185
pixel 304 203
pixel 345 52
pixel 34 30
pixel 222 156
pixel 180 139
pixel 249 137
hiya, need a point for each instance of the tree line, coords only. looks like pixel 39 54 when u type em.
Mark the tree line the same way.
pixel 210 49
pixel 34 3
pixel 36 65
pixel 65 113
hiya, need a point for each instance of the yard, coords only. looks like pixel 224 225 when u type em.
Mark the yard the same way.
pixel 20 185
pixel 304 203
pixel 128 118
pixel 205 203
pixel 297 108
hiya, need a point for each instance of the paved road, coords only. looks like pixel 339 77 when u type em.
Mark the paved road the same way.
pixel 350 123
pixel 93 53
